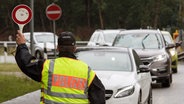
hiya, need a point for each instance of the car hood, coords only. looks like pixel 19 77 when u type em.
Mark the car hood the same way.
pixel 116 79
pixel 144 53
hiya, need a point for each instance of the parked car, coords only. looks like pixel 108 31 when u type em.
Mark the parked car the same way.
pixel 126 80
pixel 153 51
pixel 174 55
pixel 41 40
pixel 103 37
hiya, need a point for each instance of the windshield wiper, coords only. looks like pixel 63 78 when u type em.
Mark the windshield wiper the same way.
pixel 143 40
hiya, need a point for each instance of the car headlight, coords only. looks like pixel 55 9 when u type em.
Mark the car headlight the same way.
pixel 160 57
pixel 125 91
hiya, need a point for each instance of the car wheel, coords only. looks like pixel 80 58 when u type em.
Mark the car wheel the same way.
pixel 166 82
pixel 38 55
pixel 175 70
pixel 150 97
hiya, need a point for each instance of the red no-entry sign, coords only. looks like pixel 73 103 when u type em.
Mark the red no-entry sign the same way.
pixel 53 12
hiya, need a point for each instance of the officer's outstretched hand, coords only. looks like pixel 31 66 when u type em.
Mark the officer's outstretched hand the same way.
pixel 20 39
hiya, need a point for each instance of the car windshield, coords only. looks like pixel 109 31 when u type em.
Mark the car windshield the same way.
pixel 105 60
pixel 139 41
pixel 168 39
pixel 109 37
pixel 45 38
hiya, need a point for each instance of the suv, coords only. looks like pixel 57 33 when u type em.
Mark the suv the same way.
pixel 103 37
pixel 41 41
pixel 153 51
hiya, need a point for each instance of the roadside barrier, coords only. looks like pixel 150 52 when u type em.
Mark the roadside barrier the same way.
pixel 4 49
pixel 181 56
pixel 5 45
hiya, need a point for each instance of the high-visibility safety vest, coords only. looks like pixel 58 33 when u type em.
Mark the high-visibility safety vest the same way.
pixel 65 81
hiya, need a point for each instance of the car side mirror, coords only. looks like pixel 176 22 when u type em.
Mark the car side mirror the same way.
pixel 144 68
pixel 178 44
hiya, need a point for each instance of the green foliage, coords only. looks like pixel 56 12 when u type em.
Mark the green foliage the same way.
pixel 127 14
pixel 12 86
pixel 9 67
pixel 14 83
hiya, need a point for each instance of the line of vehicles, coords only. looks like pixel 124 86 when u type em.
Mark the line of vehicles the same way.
pixel 156 52
pixel 129 61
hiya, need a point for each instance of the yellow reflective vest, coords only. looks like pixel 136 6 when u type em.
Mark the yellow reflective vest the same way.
pixel 65 81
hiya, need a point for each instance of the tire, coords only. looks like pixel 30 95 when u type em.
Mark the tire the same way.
pixel 167 82
pixel 175 70
pixel 38 55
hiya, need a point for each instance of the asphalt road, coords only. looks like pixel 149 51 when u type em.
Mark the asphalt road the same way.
pixel 175 93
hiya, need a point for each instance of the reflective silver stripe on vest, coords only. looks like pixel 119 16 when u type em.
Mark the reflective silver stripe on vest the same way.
pixel 51 68
pixel 46 101
pixel 52 102
pixel 86 90
pixel 64 95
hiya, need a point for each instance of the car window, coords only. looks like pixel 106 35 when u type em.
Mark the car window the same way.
pixel 109 37
pixel 168 39
pixel 141 41
pixel 100 38
pixel 45 38
pixel 95 37
pixel 106 61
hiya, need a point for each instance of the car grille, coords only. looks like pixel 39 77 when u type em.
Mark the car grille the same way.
pixel 108 94
pixel 146 61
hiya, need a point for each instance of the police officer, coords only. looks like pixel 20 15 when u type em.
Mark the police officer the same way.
pixel 64 80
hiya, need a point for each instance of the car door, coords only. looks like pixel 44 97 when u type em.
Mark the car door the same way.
pixel 144 78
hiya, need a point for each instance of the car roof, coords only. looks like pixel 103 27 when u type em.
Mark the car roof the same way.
pixel 165 33
pixel 140 31
pixel 108 30
pixel 103 48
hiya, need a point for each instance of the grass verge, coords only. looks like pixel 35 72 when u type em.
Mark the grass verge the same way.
pixel 12 85
pixel 9 67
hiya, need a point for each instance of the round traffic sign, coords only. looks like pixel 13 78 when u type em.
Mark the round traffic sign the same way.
pixel 21 14
pixel 53 12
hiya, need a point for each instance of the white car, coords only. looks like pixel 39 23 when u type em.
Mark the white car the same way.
pixel 126 80
pixel 103 37
pixel 41 41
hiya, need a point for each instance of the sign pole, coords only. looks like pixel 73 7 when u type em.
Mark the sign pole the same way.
pixel 54 31
pixel 32 27
pixel 53 12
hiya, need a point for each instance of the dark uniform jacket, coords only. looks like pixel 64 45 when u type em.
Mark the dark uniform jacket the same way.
pixel 33 68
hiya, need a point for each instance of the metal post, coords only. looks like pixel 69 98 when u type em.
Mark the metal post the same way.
pixel 32 27
pixel 54 30
pixel 5 52
pixel 45 50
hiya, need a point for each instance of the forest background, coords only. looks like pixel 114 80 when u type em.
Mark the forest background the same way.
pixel 82 17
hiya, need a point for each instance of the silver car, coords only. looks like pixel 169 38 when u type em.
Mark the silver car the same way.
pixel 42 41
pixel 152 49
pixel 103 37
